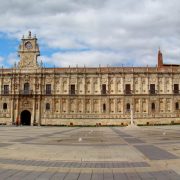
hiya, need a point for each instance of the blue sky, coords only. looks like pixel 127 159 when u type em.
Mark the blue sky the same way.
pixel 7 46
pixel 91 32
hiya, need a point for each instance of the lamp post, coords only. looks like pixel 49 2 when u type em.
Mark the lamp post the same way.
pixel 132 117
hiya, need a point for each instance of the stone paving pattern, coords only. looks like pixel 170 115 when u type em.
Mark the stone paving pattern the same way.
pixel 90 153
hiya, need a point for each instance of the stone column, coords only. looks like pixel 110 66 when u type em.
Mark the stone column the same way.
pixel 91 105
pixel 132 115
pixel 33 112
pixel 18 118
pixel 84 105
pixel 39 110
pixel 12 109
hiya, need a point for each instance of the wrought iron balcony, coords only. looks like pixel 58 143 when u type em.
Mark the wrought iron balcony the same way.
pixel 5 92
pixel 104 92
pixel 48 92
pixel 26 92
pixel 176 91
pixel 152 91
pixel 128 92
pixel 73 92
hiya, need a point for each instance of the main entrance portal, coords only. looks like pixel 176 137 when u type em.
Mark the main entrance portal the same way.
pixel 26 118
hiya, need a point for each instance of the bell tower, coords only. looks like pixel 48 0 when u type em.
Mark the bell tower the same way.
pixel 28 52
pixel 160 58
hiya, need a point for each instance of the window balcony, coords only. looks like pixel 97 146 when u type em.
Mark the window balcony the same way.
pixel 5 92
pixel 104 92
pixel 26 92
pixel 152 91
pixel 48 92
pixel 176 91
pixel 72 92
pixel 128 92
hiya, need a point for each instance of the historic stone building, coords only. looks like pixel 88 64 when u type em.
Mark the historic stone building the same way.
pixel 34 95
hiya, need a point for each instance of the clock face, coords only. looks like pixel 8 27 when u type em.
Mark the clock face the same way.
pixel 28 45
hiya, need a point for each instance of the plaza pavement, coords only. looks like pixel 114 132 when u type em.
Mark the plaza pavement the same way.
pixel 90 153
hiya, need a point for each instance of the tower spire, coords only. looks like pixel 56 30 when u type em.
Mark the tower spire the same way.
pixel 160 58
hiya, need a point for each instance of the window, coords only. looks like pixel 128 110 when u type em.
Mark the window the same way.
pixel 4 106
pixel 103 88
pixel 104 107
pixel 127 89
pixel 177 105
pixel 176 88
pixel 153 107
pixel 152 89
pixel 6 89
pixel 47 106
pixel 48 89
pixel 72 89
pixel 128 107
pixel 26 88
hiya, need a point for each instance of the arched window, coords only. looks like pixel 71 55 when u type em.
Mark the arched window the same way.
pixel 153 107
pixel 4 106
pixel 177 105
pixel 47 106
pixel 128 107
pixel 104 107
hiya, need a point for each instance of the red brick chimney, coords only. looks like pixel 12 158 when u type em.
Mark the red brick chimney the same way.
pixel 160 59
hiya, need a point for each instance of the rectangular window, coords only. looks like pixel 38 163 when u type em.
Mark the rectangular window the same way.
pixel 103 88
pixel 176 88
pixel 104 107
pixel 152 89
pixel 177 105
pixel 72 89
pixel 6 89
pixel 26 88
pixel 153 106
pixel 48 89
pixel 127 89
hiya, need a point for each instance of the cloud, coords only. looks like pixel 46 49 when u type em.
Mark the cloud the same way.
pixel 12 59
pixel 1 61
pixel 9 61
pixel 96 58
pixel 87 58
pixel 128 32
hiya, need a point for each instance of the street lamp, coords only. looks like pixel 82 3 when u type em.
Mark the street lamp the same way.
pixel 132 117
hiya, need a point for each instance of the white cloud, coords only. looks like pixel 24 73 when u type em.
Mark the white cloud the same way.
pixel 9 61
pixel 1 61
pixel 12 59
pixel 87 58
pixel 116 31
pixel 96 58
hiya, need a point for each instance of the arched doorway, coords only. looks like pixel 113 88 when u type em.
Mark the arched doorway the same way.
pixel 26 118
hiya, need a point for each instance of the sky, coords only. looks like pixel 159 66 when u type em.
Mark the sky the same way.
pixel 92 32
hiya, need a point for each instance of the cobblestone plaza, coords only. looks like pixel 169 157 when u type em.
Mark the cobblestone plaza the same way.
pixel 89 153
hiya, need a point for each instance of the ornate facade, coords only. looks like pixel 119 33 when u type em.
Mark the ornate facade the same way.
pixel 34 95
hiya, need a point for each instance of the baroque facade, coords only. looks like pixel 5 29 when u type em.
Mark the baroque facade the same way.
pixel 34 95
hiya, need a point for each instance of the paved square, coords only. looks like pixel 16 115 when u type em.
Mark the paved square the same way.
pixel 90 153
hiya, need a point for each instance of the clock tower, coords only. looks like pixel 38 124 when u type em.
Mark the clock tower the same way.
pixel 28 52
